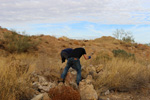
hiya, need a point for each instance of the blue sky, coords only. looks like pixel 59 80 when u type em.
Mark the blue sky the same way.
pixel 78 19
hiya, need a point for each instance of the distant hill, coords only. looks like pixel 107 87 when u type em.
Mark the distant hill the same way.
pixel 52 45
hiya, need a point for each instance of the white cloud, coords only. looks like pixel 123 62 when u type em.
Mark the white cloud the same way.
pixel 52 11
pixel 24 14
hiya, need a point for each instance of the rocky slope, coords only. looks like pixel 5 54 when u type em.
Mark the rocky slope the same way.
pixel 45 77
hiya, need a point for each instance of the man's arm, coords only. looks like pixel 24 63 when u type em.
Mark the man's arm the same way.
pixel 87 57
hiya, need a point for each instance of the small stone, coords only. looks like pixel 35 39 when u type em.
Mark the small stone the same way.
pixel 108 99
pixel 35 85
pixel 42 79
pixel 46 97
pixel 107 92
pixel 60 84
pixel 45 84
pixel 89 79
pixel 38 97
pixel 74 85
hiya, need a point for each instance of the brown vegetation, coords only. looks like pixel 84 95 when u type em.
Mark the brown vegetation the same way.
pixel 64 93
pixel 14 81
pixel 113 73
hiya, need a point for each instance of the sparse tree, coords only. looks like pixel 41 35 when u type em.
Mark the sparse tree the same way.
pixel 148 44
pixel 123 35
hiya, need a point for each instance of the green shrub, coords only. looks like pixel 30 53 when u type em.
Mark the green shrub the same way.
pixel 18 43
pixel 123 54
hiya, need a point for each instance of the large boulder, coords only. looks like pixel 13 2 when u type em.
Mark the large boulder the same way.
pixel 70 78
pixel 43 96
pixel 38 97
pixel 89 70
pixel 86 89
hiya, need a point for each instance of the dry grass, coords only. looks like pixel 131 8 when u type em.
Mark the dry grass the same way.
pixel 15 82
pixel 118 74
pixel 14 86
pixel 123 75
pixel 48 67
pixel 102 57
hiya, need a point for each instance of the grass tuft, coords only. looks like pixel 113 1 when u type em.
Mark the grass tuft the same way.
pixel 14 86
pixel 123 75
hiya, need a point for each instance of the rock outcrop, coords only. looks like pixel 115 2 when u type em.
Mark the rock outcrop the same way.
pixel 65 91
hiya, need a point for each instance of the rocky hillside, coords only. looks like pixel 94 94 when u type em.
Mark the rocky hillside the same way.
pixel 117 71
pixel 52 46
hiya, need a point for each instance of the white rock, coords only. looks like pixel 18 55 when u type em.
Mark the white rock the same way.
pixel 108 99
pixel 51 85
pixel 89 79
pixel 87 92
pixel 107 92
pixel 45 84
pixel 42 79
pixel 38 97
pixel 44 88
pixel 35 85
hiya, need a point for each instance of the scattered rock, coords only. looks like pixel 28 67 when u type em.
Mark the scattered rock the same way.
pixel 38 97
pixel 74 85
pixel 46 97
pixel 108 99
pixel 107 92
pixel 70 78
pixel 99 68
pixel 35 85
pixel 100 99
pixel 44 88
pixel 60 84
pixel 43 96
pixel 88 70
pixel 34 77
pixel 67 91
pixel 44 84
pixel 89 79
pixel 42 79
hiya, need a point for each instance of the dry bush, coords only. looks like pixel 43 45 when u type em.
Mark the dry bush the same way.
pixel 123 75
pixel 64 93
pixel 75 42
pixel 63 38
pixel 18 43
pixel 12 85
pixel 48 67
pixel 102 57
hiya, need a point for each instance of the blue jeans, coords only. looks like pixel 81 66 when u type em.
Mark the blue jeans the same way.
pixel 75 64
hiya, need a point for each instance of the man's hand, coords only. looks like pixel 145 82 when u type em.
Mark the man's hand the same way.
pixel 89 57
